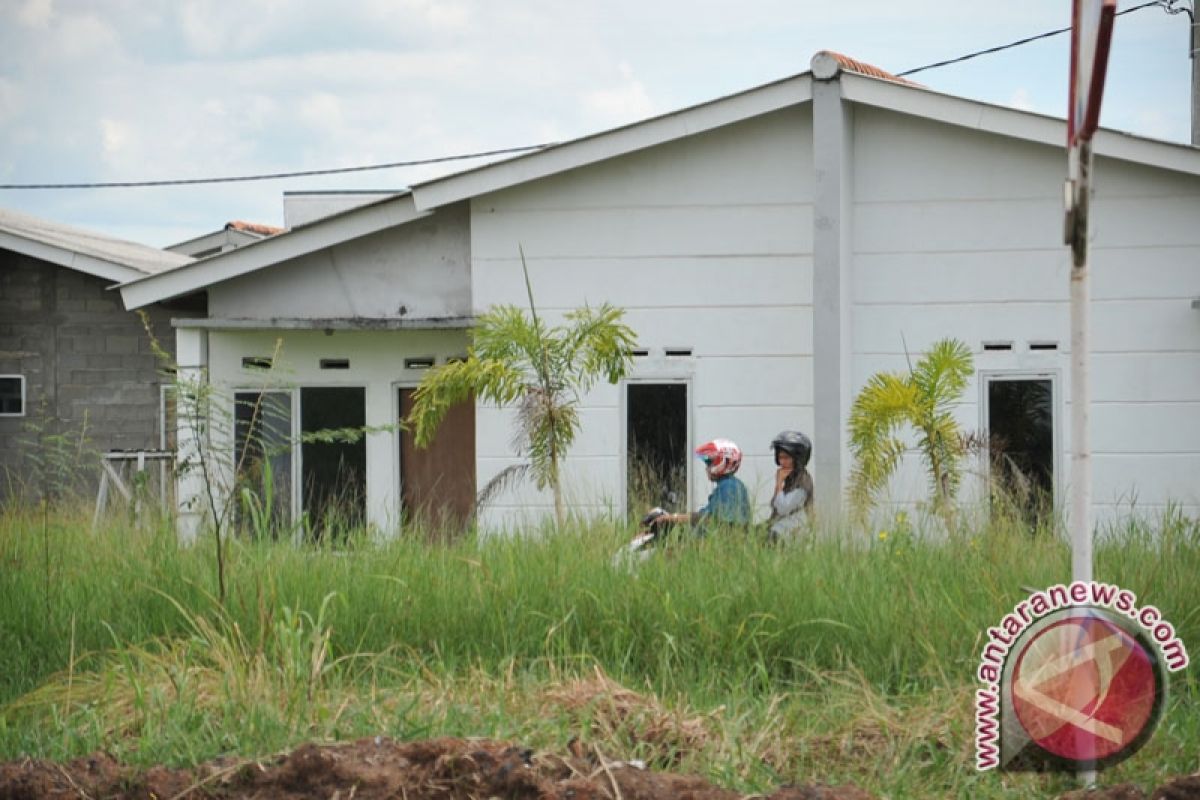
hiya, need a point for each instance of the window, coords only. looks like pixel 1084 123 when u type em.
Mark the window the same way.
pixel 1019 411
pixel 263 458
pixel 12 395
pixel 656 446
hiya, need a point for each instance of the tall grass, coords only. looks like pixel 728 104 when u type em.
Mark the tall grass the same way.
pixel 840 643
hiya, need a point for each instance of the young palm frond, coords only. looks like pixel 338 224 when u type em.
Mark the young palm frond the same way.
pixel 881 409
pixel 516 357
pixel 924 400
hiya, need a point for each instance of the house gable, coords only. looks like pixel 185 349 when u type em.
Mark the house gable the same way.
pixel 418 271
pixel 300 241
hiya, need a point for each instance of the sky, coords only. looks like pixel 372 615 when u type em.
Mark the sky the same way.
pixel 127 90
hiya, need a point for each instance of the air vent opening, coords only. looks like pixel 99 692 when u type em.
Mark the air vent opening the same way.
pixel 997 346
pixel 256 362
pixel 641 353
pixel 335 363
pixel 1043 345
pixel 424 362
pixel 677 351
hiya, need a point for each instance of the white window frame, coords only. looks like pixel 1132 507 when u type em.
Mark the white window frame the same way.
pixel 24 397
pixel 986 377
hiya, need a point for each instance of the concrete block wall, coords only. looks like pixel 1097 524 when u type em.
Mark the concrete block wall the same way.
pixel 87 362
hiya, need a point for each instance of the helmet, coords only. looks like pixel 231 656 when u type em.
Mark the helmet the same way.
pixel 722 456
pixel 795 444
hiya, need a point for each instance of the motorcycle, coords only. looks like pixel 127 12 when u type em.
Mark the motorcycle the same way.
pixel 653 531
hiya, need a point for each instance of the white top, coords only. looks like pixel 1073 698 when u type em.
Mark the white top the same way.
pixel 789 511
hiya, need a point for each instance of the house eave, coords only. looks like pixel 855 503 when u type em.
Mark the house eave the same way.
pixel 89 265
pixel 1014 123
pixel 325 323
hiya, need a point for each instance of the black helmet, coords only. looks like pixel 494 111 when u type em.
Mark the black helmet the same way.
pixel 795 444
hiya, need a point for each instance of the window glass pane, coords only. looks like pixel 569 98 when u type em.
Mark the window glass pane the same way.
pixel 11 401
pixel 263 452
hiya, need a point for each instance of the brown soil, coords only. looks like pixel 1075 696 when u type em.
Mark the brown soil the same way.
pixel 445 769
pixel 441 769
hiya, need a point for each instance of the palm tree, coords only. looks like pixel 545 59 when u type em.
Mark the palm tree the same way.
pixel 922 399
pixel 516 358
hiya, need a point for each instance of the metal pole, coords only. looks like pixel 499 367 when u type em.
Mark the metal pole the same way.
pixel 1081 460
pixel 1081 448
pixel 1195 56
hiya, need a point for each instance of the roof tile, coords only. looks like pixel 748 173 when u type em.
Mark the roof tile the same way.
pixel 253 227
pixel 863 68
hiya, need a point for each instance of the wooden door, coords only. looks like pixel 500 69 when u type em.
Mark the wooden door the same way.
pixel 437 483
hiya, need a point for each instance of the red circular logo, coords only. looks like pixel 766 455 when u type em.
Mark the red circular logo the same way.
pixel 1084 689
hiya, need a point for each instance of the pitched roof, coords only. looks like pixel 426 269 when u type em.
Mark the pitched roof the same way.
pixel 860 83
pixel 82 250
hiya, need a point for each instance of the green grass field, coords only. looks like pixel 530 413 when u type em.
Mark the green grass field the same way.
pixel 848 658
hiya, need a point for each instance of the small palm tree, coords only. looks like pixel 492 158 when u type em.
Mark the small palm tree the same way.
pixel 923 400
pixel 516 358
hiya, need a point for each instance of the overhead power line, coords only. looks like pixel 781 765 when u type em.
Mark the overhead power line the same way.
pixel 1167 5
pixel 274 175
pixel 1164 3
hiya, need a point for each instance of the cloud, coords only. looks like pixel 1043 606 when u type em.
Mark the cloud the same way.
pixel 115 136
pixel 322 110
pixel 36 13
pixel 620 104
pixel 1020 100
pixel 11 100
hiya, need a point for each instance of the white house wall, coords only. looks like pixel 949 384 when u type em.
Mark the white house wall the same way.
pixel 707 243
pixel 419 270
pixel 959 233
pixel 376 363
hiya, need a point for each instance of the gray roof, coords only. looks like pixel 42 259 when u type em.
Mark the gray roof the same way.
pixel 69 240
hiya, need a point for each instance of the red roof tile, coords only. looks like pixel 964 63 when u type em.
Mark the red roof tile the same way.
pixel 253 227
pixel 863 68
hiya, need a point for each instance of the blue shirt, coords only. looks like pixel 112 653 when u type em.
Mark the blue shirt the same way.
pixel 728 504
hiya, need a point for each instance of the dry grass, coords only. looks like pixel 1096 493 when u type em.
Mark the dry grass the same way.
pixel 604 712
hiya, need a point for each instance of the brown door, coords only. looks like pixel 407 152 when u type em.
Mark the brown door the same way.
pixel 437 484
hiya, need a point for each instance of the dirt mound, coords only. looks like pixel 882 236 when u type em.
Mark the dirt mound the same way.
pixel 445 769
pixel 1187 788
pixel 437 769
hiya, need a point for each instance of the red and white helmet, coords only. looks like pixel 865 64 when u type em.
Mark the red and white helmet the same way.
pixel 722 457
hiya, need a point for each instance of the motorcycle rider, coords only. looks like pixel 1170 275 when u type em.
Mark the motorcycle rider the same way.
pixel 729 502
pixel 791 504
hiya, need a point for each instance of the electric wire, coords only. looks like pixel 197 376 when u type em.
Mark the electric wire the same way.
pixel 1020 42
pixel 275 175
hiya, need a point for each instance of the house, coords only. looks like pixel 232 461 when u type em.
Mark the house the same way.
pixel 73 361
pixel 773 249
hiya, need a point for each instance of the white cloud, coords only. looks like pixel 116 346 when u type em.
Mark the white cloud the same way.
pixel 1020 100
pixel 85 38
pixel 1154 123
pixel 36 13
pixel 322 110
pixel 11 100
pixel 115 137
pixel 616 105
pixel 204 31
